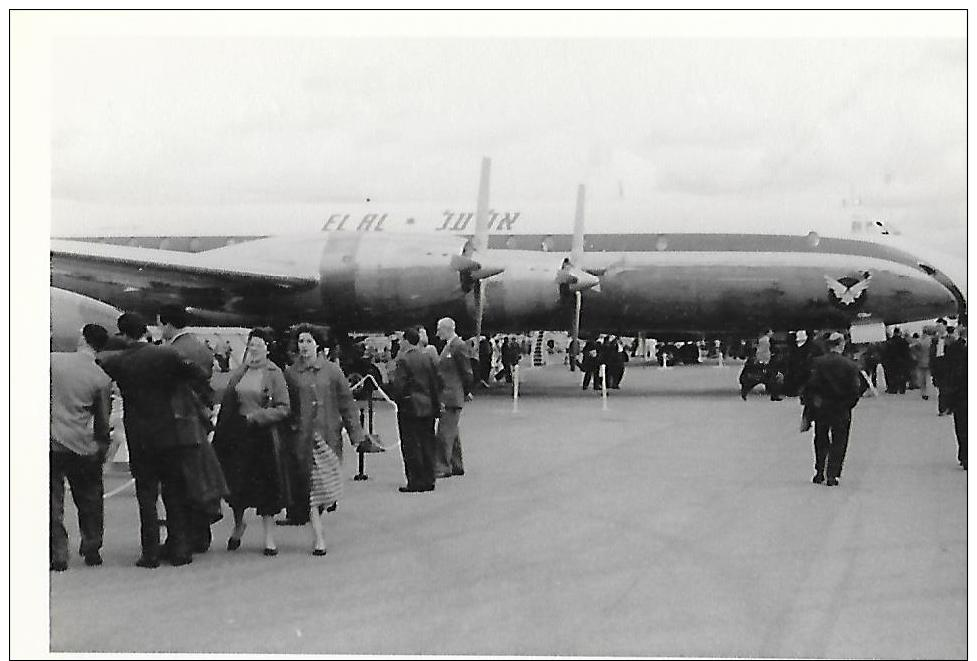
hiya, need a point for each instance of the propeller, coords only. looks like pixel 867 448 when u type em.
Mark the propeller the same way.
pixel 471 263
pixel 572 279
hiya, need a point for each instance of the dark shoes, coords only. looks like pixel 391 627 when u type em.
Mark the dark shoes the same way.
pixel 818 478
pixel 233 543
pixel 180 560
pixel 415 489
pixel 59 565
pixel 318 552
pixel 459 472
pixel 93 559
pixel 147 562
pixel 832 482
pixel 270 552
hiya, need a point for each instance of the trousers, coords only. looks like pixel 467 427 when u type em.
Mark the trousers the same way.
pixel 448 458
pixel 418 448
pixel 960 428
pixel 831 430
pixel 156 472
pixel 84 475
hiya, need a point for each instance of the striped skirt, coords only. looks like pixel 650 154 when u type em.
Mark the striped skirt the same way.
pixel 326 481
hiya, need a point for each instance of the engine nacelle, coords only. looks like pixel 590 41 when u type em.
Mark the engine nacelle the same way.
pixel 384 281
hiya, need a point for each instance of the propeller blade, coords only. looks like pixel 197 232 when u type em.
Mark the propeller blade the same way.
pixel 479 241
pixel 576 250
pixel 575 331
pixel 479 307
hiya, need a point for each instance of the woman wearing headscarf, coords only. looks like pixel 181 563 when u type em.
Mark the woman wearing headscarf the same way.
pixel 247 440
pixel 322 405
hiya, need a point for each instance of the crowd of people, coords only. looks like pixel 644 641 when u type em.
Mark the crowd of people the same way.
pixel 830 375
pixel 274 441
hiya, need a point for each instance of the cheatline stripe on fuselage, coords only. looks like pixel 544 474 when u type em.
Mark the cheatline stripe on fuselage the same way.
pixel 561 243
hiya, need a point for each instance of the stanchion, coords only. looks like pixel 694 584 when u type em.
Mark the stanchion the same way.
pixel 875 393
pixel 602 371
pixel 359 453
pixel 515 388
pixel 371 441
pixel 664 365
pixel 720 364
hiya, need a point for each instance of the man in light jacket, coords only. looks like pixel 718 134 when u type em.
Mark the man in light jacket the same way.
pixel 455 369
pixel 79 441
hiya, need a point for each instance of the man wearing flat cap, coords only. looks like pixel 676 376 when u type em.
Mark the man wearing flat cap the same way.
pixel 830 394
pixel 149 377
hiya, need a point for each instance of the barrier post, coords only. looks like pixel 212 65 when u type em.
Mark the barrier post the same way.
pixel 515 388
pixel 602 371
pixel 875 393
pixel 664 365
pixel 361 475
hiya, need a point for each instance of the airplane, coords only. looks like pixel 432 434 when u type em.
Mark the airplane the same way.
pixel 376 279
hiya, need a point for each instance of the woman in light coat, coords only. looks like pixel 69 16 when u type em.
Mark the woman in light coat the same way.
pixel 322 405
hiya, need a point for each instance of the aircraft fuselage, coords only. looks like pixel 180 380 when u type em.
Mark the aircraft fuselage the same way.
pixel 674 282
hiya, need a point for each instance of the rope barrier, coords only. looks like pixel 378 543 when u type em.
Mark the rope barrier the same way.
pixel 120 489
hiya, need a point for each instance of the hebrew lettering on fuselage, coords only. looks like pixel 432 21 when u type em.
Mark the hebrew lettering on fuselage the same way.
pixel 449 221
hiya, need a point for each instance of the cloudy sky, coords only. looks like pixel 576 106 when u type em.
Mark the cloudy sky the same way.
pixel 236 131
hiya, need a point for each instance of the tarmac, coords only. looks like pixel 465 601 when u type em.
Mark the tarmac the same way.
pixel 680 521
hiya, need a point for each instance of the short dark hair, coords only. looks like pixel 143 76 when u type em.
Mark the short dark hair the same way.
pixel 264 333
pixel 96 336
pixel 132 325
pixel 411 335
pixel 316 333
pixel 173 314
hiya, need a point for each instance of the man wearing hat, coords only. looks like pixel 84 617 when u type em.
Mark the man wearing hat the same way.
pixel 149 377
pixel 833 390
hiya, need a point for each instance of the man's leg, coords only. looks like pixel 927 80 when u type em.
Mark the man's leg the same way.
pixel 58 536
pixel 447 432
pixel 409 447
pixel 923 376
pixel 85 477
pixel 840 426
pixel 177 503
pixel 820 447
pixel 960 427
pixel 457 463
pixel 147 493
pixel 427 443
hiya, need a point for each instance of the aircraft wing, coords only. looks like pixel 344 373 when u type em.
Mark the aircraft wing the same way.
pixel 122 275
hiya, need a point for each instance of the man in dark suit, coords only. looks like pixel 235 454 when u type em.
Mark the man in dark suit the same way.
pixel 158 434
pixel 416 386
pixel 831 392
pixel 456 378
pixel 955 384
pixel 206 485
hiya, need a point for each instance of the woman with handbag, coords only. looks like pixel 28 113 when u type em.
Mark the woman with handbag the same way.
pixel 247 439
pixel 322 405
